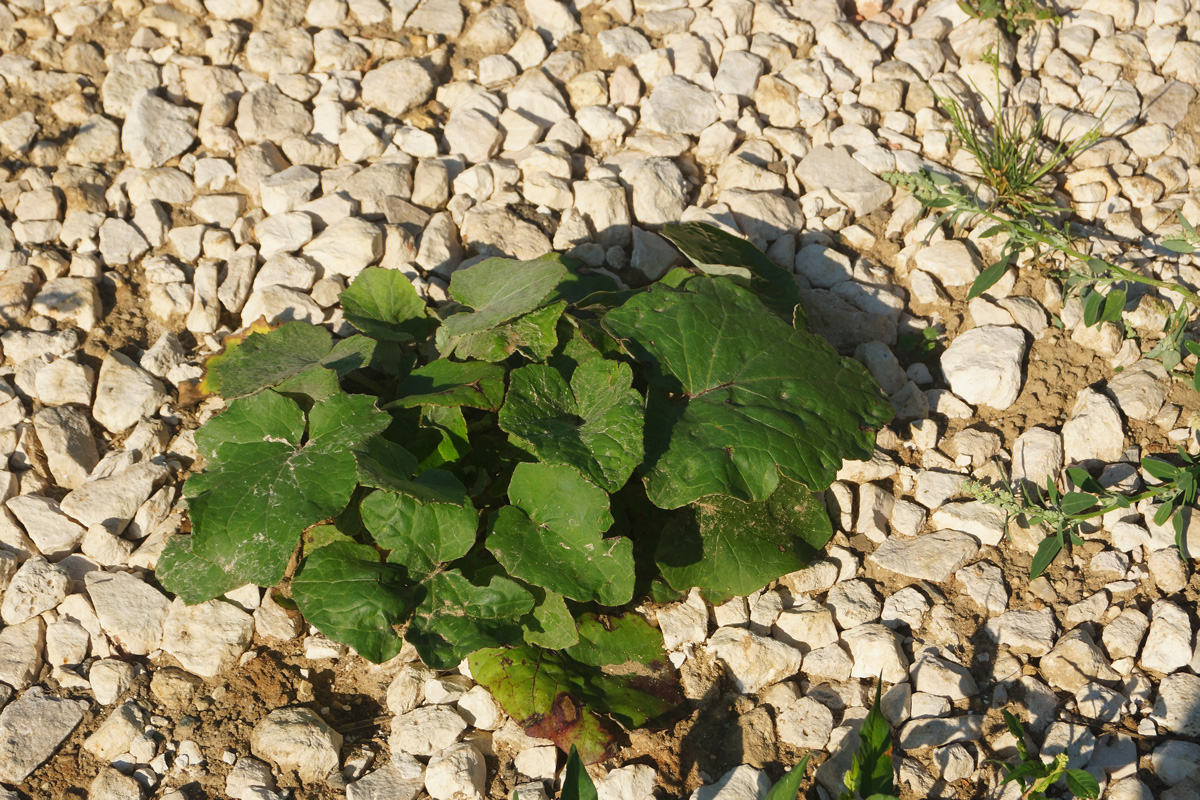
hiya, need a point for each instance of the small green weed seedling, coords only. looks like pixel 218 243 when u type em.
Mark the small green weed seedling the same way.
pixel 499 480
pixel 1014 16
pixel 1063 513
pixel 1101 286
pixel 1036 776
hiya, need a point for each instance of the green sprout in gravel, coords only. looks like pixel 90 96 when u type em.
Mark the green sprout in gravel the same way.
pixel 1014 16
pixel 1035 776
pixel 504 478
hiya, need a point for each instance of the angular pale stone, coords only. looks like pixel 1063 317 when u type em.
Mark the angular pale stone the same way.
pixel 931 556
pixel 850 182
pixel 983 365
pixel 207 638
pixel 131 612
pixel 296 738
pixel 751 661
pixel 31 729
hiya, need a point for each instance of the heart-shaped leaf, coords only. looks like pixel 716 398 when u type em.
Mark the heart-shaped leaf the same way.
pixel 344 590
pixel 741 396
pixel 262 478
pixel 552 536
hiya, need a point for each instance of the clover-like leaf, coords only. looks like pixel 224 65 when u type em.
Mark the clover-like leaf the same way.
pixel 263 485
pixel 420 535
pixel 498 290
pixel 456 617
pixel 295 357
pixel 559 697
pixel 739 396
pixel 715 251
pixel 195 579
pixel 453 383
pixel 593 424
pixel 344 590
pixel 727 547
pixel 552 536
pixel 383 304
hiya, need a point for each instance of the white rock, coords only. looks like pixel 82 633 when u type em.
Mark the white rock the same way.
pixel 480 709
pixel 985 522
pixel 740 783
pixel 877 653
pixel 753 662
pixel 126 722
pixel 983 365
pixel 984 584
pixel 248 778
pixel 389 782
pixel 113 501
pixel 55 534
pixel 806 724
pixel 1169 641
pixel 905 608
pixel 931 556
pixel 110 678
pixel 551 18
pixel 155 130
pixel 684 623
pixel 1075 661
pixel 131 611
pixel 537 763
pixel 676 105
pixel 1177 708
pixel 71 301
pixel 125 393
pixel 808 626
pixel 425 731
pixel 935 675
pixel 32 728
pixel 1026 632
pixel 36 587
pixel 1093 432
pixel 1037 455
pixel 346 247
pixel 853 602
pixel 950 261
pixel 110 784
pixel 207 638
pixel 456 773
pixel 21 653
pixel 296 738
pixel 397 87
pixel 1140 389
pixel 849 181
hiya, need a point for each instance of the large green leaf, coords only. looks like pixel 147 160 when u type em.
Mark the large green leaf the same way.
pixel 263 486
pixel 532 334
pixel 727 547
pixel 352 598
pixel 296 357
pixel 498 290
pixel 712 249
pixel 558 697
pixel 552 536
pixel 195 579
pixel 593 424
pixel 739 396
pixel 457 617
pixel 383 304
pixel 421 536
pixel 453 383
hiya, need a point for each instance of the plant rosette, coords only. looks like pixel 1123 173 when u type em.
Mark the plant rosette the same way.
pixel 502 478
